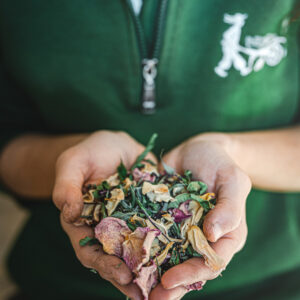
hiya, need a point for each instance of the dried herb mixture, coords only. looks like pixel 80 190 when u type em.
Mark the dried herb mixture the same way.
pixel 152 221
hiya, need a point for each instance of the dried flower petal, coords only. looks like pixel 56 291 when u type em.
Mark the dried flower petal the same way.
pixel 200 244
pixel 111 233
pixel 147 279
pixel 179 215
pixel 155 248
pixel 89 197
pixel 135 217
pixel 157 192
pixel 196 211
pixel 136 248
pixel 96 213
pixel 163 255
pixel 163 227
pixel 87 210
pixel 117 195
pixel 113 180
pixel 157 188
pixel 185 207
pixel 197 286
pixel 208 196
pixel 149 168
pixel 139 175
pixel 128 183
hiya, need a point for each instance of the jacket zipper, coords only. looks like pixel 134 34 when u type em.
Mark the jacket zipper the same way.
pixel 149 58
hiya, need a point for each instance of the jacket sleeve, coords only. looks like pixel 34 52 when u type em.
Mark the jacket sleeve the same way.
pixel 18 114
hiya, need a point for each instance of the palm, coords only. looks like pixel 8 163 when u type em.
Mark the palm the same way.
pixel 225 226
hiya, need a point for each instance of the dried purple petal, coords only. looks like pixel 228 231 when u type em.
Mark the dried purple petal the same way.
pixel 185 207
pixel 147 279
pixel 197 286
pixel 138 175
pixel 179 215
pixel 111 232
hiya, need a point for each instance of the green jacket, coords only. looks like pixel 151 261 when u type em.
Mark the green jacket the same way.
pixel 75 66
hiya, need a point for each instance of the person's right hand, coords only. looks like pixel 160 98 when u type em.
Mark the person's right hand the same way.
pixel 92 160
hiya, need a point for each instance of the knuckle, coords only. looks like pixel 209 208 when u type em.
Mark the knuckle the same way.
pixel 66 156
pixel 123 134
pixel 244 180
pixel 104 268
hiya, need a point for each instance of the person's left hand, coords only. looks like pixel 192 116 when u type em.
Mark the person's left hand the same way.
pixel 225 226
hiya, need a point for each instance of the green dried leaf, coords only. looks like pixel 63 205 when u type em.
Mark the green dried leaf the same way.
pixel 88 241
pixel 197 187
pixel 123 216
pixel 179 199
pixel 176 189
pixel 188 174
pixel 174 260
pixel 95 194
pixel 154 206
pixel 103 211
pixel 125 204
pixel 105 185
pixel 205 204
pixel 122 171
pixel 158 268
pixel 94 271
pixel 131 226
pixel 196 254
pixel 175 226
pixel 169 170
pixel 148 148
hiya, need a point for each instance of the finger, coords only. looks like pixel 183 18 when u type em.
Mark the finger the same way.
pixel 131 150
pixel 71 172
pixel 233 187
pixel 159 292
pixel 108 266
pixel 131 290
pixel 195 269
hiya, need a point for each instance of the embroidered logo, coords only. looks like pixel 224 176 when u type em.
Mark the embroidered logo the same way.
pixel 258 50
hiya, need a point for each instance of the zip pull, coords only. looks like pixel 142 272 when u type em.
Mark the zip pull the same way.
pixel 149 74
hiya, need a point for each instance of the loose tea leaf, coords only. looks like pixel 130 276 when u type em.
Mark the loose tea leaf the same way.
pixel 122 171
pixel 88 241
pixel 148 148
pixel 150 220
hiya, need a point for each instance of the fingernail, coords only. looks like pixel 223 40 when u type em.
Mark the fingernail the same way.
pixel 217 231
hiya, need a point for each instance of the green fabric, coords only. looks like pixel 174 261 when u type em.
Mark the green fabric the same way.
pixel 75 67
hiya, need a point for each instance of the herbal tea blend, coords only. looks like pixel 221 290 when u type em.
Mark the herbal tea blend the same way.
pixel 152 221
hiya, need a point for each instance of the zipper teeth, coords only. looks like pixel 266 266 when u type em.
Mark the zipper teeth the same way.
pixel 139 31
pixel 158 32
pixel 160 28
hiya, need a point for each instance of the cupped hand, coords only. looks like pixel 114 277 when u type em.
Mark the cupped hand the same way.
pixel 209 158
pixel 91 161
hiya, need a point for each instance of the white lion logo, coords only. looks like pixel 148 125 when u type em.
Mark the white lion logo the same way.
pixel 260 50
